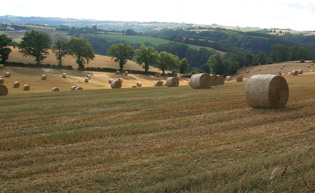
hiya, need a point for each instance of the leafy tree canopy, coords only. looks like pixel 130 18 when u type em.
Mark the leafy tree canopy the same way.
pixel 121 53
pixel 81 50
pixel 60 49
pixel 146 56
pixel 5 42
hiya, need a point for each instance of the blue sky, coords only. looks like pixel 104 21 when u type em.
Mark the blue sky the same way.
pixel 293 14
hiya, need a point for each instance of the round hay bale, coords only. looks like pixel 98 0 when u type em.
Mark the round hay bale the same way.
pixel 73 87
pixel 3 90
pixel 214 80
pixel 64 75
pixel 117 72
pixel 228 78
pixel 120 79
pixel 281 68
pixel 164 84
pixel 283 65
pixel 134 87
pixel 89 76
pixel 1 66
pixel 26 87
pixel 220 80
pixel 239 79
pixel 158 83
pixel 172 82
pixel 308 66
pixel 115 84
pixel 139 84
pixel 55 89
pixel 86 79
pixel 126 73
pixel 1 81
pixel 267 91
pixel 16 84
pixel 78 88
pixel 157 75
pixel 110 81
pixel 279 72
pixel 7 74
pixel 300 71
pixel 289 72
pixel 311 70
pixel 259 69
pixel 44 77
pixel 202 80
pixel 294 73
pixel 247 71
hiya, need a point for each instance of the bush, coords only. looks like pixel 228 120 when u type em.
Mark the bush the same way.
pixel 302 60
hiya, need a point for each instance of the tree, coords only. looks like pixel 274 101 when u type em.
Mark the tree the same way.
pixel 183 66
pixel 35 44
pixel 81 50
pixel 261 58
pixel 60 49
pixel 280 53
pixel 216 64
pixel 146 56
pixel 164 59
pixel 121 53
pixel 5 50
pixel 249 59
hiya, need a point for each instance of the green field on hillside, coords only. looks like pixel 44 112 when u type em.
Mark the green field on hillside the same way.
pixel 157 140
pixel 143 39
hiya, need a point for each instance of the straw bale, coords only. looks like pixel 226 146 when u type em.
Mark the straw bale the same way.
pixel 158 83
pixel 164 84
pixel 308 66
pixel 110 81
pixel 157 75
pixel 228 78
pixel 1 81
pixel 117 72
pixel 289 72
pixel 294 72
pixel 279 72
pixel 172 82
pixel 89 76
pixel 3 90
pixel 64 75
pixel 86 79
pixel 26 87
pixel 311 70
pixel 220 79
pixel 73 87
pixel 120 79
pixel 1 66
pixel 16 84
pixel 7 74
pixel 267 91
pixel 115 84
pixel 134 87
pixel 126 73
pixel 78 88
pixel 44 77
pixel 300 71
pixel 239 79
pixel 202 80
pixel 214 80
pixel 55 89
pixel 139 84
pixel 247 71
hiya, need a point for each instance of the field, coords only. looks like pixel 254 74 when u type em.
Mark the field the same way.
pixel 157 140
pixel 142 40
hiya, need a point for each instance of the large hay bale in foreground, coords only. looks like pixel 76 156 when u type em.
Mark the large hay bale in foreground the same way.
pixel 64 75
pixel 55 89
pixel 78 88
pixel 1 81
pixel 3 90
pixel 228 78
pixel 300 71
pixel 220 79
pixel 26 87
pixel 7 74
pixel 239 79
pixel 172 82
pixel 73 87
pixel 139 84
pixel 16 84
pixel 267 91
pixel 202 80
pixel 158 83
pixel 44 77
pixel 115 84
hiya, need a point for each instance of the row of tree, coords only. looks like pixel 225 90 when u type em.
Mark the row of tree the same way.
pixel 146 56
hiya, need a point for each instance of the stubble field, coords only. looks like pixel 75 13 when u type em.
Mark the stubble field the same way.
pixel 157 140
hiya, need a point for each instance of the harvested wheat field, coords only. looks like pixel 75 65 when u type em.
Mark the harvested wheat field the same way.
pixel 157 139
pixel 99 80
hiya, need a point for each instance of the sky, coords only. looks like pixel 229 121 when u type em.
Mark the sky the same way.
pixel 283 14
